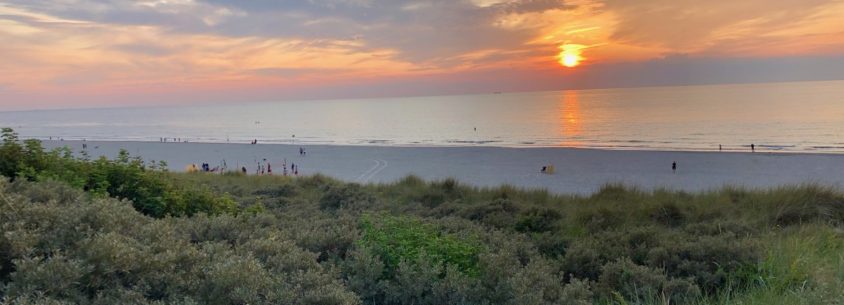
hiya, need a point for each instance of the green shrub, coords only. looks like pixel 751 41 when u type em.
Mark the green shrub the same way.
pixel 56 277
pixel 282 190
pixel 668 214
pixel 641 284
pixel 102 251
pixel 499 213
pixel 343 196
pixel 148 187
pixel 398 239
pixel 437 193
pixel 11 153
pixel 279 240
pixel 538 220
pixel 601 218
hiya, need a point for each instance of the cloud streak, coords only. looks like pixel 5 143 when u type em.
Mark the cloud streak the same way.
pixel 105 47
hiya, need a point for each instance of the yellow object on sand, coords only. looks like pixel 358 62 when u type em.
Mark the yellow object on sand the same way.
pixel 550 169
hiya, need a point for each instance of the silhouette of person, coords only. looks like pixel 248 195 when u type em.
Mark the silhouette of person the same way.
pixel 674 167
pixel 752 147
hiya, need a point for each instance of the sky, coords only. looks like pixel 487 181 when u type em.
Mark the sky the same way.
pixel 89 53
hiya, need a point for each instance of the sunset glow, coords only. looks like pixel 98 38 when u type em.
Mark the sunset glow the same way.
pixel 570 56
pixel 60 54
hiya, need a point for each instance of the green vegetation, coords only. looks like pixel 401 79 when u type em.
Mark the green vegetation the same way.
pixel 69 238
pixel 148 186
pixel 400 239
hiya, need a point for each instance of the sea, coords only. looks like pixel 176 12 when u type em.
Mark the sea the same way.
pixel 778 117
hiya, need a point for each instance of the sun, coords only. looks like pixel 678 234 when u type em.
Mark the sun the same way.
pixel 570 60
pixel 570 56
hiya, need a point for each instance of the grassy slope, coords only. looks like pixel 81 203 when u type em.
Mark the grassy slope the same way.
pixel 797 229
pixel 730 246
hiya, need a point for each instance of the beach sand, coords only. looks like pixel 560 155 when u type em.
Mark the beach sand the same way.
pixel 578 171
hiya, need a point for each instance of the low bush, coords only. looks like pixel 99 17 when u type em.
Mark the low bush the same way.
pixel 102 251
pixel 148 186
pixel 641 284
pixel 538 220
pixel 405 239
pixel 344 196
pixel 166 238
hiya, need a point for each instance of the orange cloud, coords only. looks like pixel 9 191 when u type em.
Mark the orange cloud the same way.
pixel 166 46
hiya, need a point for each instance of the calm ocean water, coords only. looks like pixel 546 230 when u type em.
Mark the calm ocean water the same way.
pixel 791 117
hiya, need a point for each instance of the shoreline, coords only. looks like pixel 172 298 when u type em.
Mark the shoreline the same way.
pixel 761 149
pixel 578 170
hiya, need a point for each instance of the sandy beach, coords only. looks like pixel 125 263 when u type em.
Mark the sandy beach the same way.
pixel 578 171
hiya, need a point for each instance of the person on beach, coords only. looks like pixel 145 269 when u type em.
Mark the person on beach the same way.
pixel 269 169
pixel 84 146
pixel 719 148
pixel 243 169
pixel 752 147
pixel 544 169
pixel 674 167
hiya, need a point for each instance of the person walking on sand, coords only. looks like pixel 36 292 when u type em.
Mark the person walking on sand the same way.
pixel 719 148
pixel 269 169
pixel 752 147
pixel 243 169
pixel 674 167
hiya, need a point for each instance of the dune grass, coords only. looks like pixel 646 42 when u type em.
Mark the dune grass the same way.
pixel 726 246
pixel 83 238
